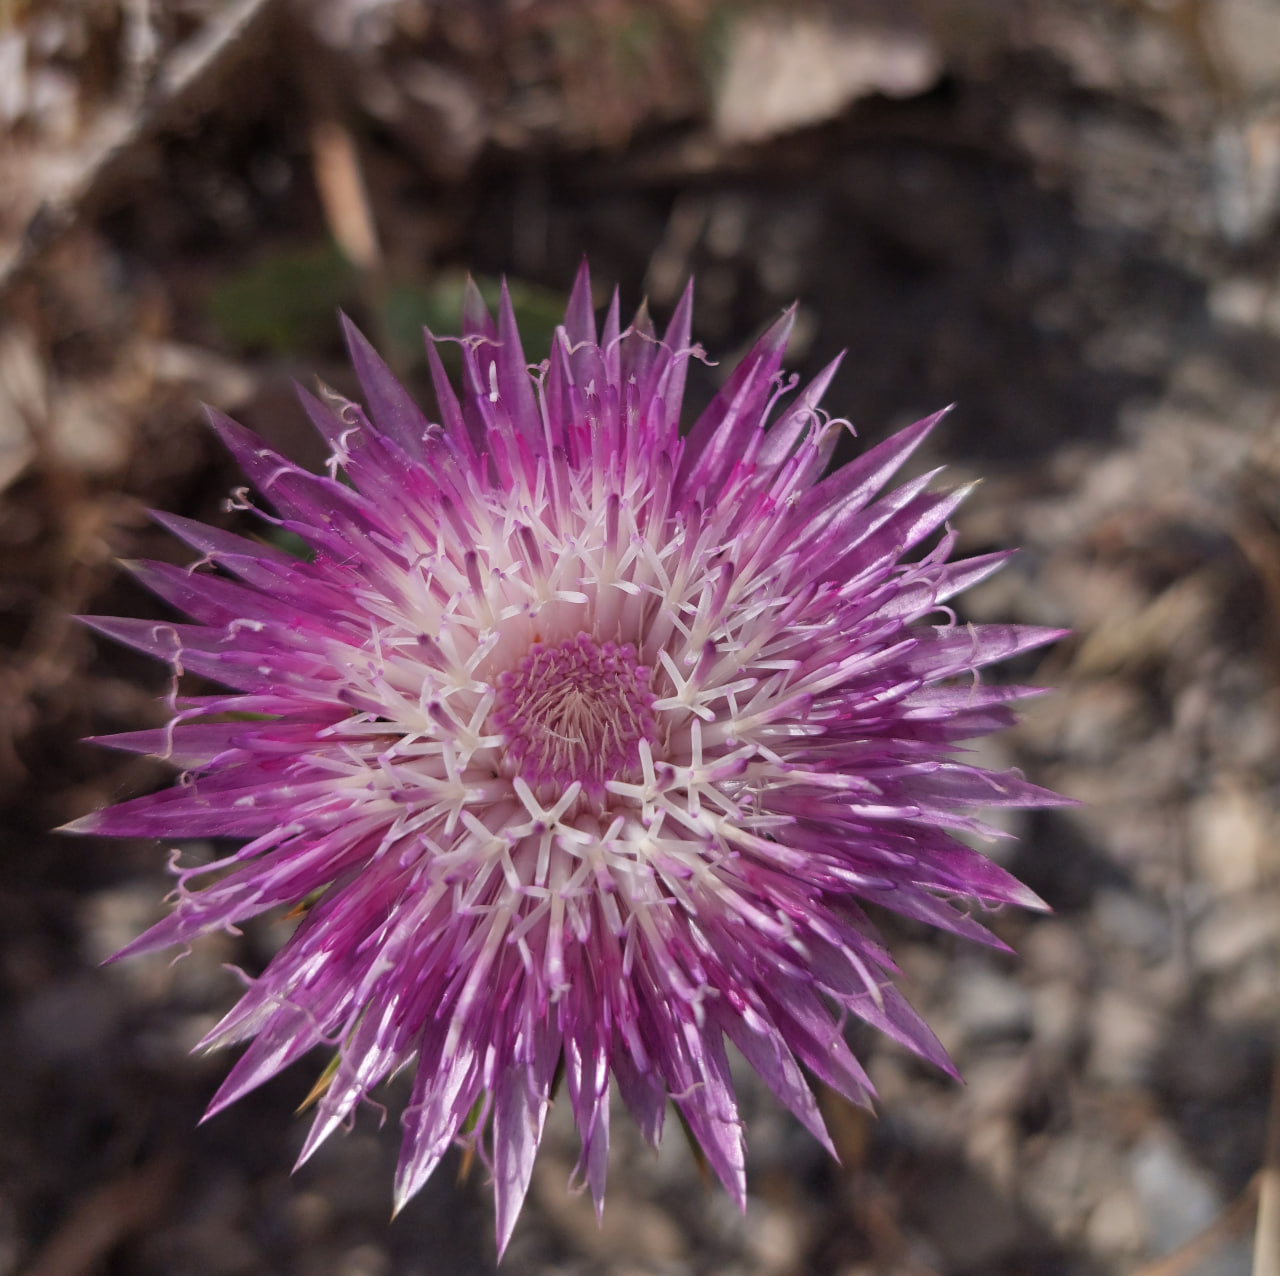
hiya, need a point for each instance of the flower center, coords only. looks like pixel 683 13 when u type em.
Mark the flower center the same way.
pixel 575 711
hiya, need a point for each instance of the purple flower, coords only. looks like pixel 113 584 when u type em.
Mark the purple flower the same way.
pixel 579 744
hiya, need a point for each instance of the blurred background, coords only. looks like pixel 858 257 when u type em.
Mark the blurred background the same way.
pixel 1062 214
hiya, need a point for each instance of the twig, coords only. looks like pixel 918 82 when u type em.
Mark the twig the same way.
pixel 339 174
pixel 182 74
pixel 1266 1244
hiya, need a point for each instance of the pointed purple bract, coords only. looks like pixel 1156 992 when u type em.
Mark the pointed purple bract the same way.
pixel 579 744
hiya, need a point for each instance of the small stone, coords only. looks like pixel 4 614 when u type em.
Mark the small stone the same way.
pixel 1104 716
pixel 1066 1177
pixel 1057 1012
pixel 88 430
pixel 1249 36
pixel 996 1083
pixel 1133 923
pixel 1233 930
pixel 1117 1227
pixel 23 395
pixel 785 71
pixel 1052 949
pixel 1229 833
pixel 1246 176
pixel 1126 1036
pixel 775 1237
pixel 992 1149
pixel 308 1214
pixel 990 1005
pixel 1178 1201
pixel 363 1260
pixel 1240 302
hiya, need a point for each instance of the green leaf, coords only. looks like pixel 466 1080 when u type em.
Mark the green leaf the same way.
pixel 438 305
pixel 285 302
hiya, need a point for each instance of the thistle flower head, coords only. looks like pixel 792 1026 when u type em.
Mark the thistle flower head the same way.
pixel 581 744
